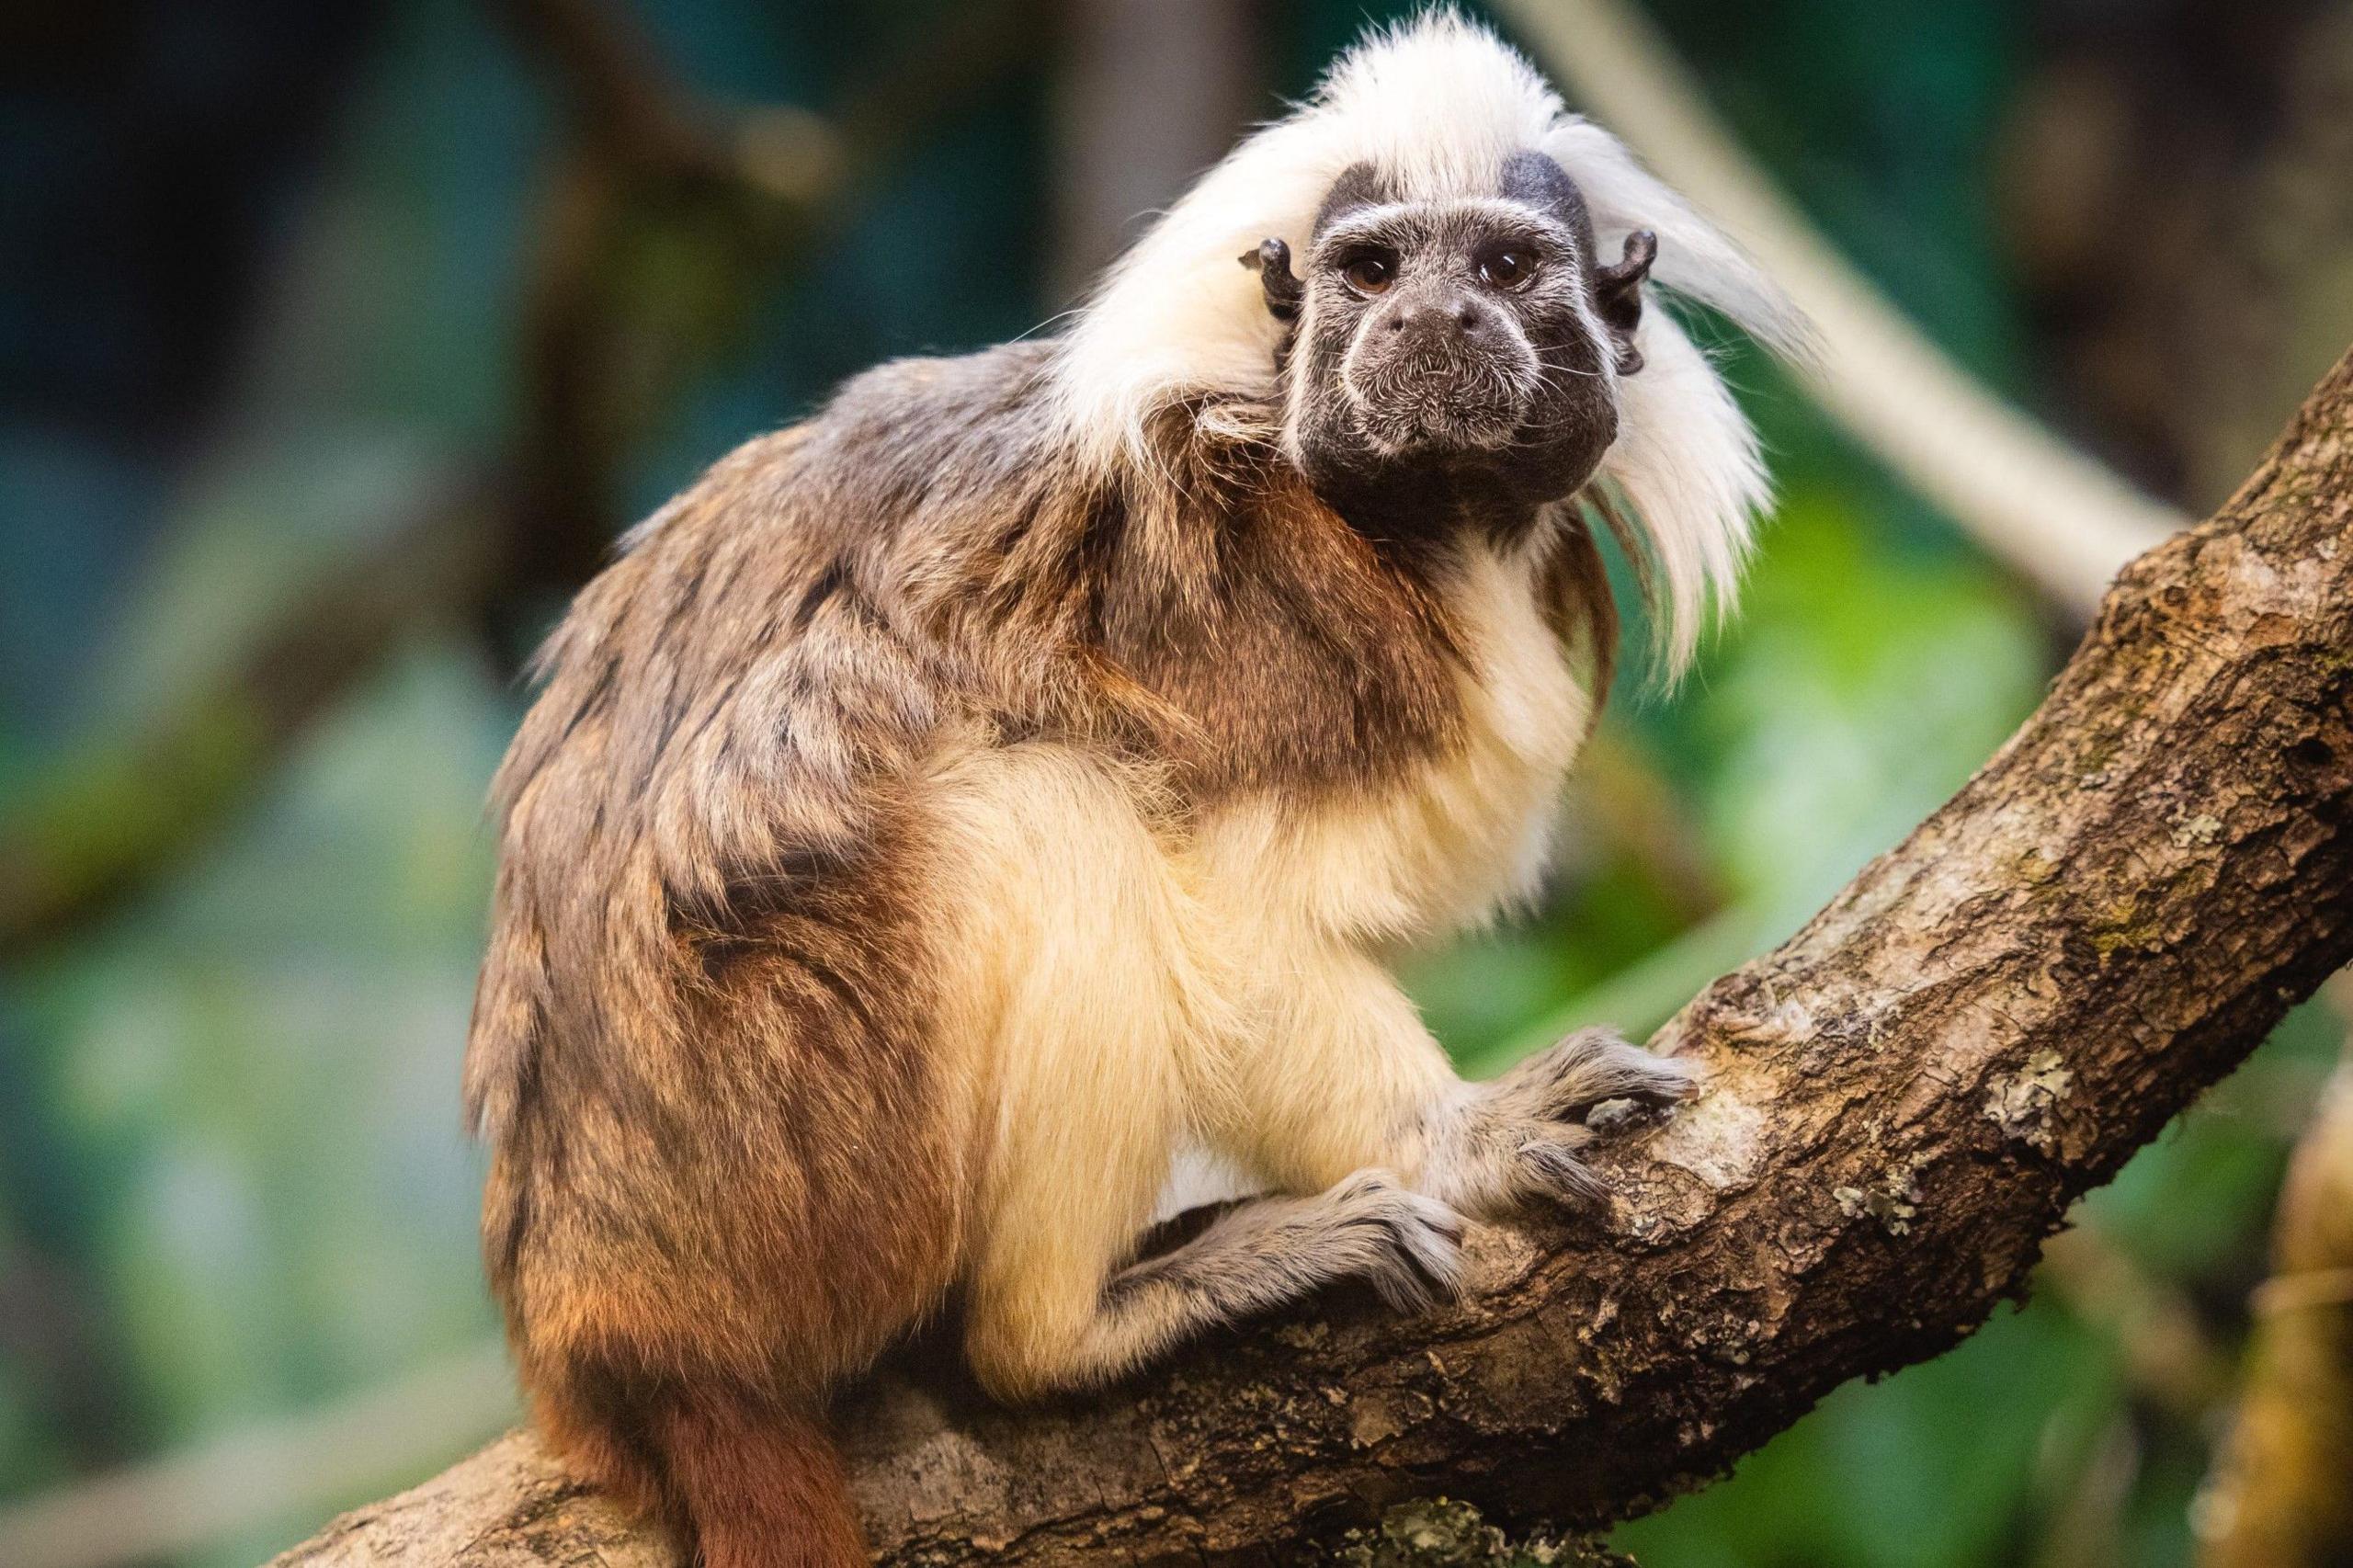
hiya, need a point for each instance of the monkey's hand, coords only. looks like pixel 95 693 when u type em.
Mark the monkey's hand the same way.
pixel 1524 1134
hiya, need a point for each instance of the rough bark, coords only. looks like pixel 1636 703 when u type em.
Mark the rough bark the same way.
pixel 1904 1101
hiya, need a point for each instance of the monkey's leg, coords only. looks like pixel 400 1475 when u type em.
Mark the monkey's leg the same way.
pixel 1089 1107
pixel 1347 1077
pixel 1079 939
pixel 1109 1043
pixel 1258 1255
pixel 1093 1104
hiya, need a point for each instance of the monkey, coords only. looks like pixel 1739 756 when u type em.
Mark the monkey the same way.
pixel 961 813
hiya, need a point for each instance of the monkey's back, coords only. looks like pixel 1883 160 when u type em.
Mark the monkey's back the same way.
pixel 707 1050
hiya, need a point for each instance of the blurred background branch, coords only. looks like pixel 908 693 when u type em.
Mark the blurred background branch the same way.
pixel 2059 519
pixel 2281 1495
pixel 731 197
pixel 114 814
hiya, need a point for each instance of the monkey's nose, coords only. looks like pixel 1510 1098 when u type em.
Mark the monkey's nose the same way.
pixel 1460 316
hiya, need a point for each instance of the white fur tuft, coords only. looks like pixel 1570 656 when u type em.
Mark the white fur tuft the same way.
pixel 1687 461
pixel 1437 106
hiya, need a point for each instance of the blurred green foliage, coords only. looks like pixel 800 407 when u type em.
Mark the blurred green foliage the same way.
pixel 233 1180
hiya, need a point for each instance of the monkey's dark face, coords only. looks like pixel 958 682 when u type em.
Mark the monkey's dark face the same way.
pixel 1465 349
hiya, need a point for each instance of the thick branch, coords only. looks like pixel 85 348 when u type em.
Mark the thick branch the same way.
pixel 1905 1098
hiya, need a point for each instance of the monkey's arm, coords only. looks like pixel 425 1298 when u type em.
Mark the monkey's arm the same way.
pixel 1345 1076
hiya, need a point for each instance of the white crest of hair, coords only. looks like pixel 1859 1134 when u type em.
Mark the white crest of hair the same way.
pixel 1436 106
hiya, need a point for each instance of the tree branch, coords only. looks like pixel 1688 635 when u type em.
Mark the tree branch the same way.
pixel 1905 1100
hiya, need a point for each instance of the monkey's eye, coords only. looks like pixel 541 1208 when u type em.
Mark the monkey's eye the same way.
pixel 1507 268
pixel 1370 273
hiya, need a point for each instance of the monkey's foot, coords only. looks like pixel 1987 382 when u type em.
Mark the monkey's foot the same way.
pixel 1406 1244
pixel 1269 1251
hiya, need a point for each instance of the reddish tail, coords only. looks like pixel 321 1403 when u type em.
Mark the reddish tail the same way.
pixel 756 1488
pixel 745 1485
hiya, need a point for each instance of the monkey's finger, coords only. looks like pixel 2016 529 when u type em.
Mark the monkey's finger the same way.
pixel 1420 1277
pixel 1596 1065
pixel 1552 1167
pixel 1423 1252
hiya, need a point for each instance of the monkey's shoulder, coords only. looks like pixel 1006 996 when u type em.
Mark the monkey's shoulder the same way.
pixel 915 427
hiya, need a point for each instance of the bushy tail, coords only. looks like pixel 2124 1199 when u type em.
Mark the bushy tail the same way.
pixel 756 1488
pixel 743 1483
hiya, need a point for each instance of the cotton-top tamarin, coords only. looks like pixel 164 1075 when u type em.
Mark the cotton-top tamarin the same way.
pixel 959 810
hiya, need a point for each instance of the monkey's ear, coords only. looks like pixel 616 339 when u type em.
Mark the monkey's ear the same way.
pixel 1271 262
pixel 1617 296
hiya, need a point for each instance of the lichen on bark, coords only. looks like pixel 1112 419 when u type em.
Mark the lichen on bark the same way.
pixel 1443 1533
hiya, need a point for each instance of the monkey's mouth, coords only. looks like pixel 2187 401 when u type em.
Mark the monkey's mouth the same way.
pixel 1413 405
pixel 1441 417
